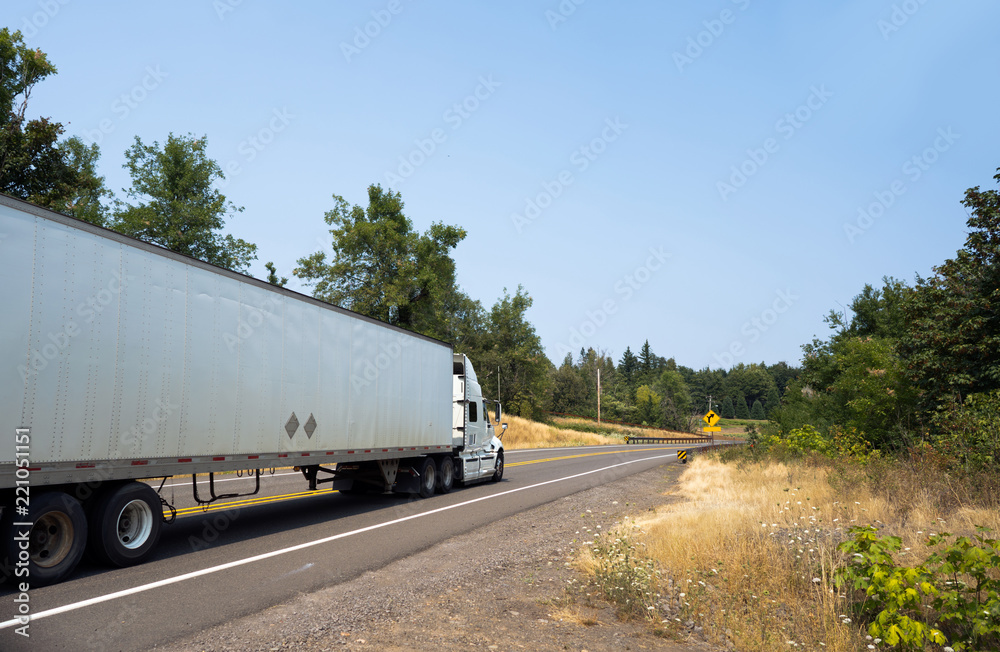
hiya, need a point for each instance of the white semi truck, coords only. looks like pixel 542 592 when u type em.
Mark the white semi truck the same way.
pixel 122 361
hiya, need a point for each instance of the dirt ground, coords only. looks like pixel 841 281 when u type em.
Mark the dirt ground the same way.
pixel 505 587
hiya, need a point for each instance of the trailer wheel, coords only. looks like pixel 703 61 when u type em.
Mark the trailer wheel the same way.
pixel 55 543
pixel 428 477
pixel 126 524
pixel 446 475
pixel 498 473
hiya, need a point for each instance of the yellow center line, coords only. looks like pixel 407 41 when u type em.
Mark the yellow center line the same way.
pixel 263 500
pixel 569 457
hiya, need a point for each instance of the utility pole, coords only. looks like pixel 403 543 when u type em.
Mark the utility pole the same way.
pixel 709 402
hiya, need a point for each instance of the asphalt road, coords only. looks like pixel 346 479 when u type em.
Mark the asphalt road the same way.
pixel 249 554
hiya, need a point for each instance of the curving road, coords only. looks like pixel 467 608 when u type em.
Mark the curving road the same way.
pixel 248 554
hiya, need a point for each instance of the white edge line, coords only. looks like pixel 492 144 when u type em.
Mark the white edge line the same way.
pixel 274 553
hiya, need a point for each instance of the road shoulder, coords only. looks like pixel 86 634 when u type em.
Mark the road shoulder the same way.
pixel 502 587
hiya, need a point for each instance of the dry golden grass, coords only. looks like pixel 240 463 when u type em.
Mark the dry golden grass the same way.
pixel 751 549
pixel 576 614
pixel 522 433
pixel 585 424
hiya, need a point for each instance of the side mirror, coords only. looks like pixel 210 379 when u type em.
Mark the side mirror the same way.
pixel 503 429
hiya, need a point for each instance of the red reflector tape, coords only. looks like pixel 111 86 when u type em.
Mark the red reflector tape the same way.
pixel 367 451
pixel 140 462
pixel 350 452
pixel 331 453
pixel 305 454
pixel 184 459
pixel 86 466
pixel 253 457
pixel 282 454
pixel 219 459
pixel 36 468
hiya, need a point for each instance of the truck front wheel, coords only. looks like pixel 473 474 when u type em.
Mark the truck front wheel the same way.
pixel 498 472
pixel 51 548
pixel 125 525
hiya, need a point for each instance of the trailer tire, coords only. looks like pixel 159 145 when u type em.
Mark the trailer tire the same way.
pixel 498 473
pixel 428 477
pixel 56 541
pixel 126 524
pixel 445 475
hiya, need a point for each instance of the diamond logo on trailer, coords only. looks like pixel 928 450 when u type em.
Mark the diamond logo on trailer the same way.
pixel 292 425
pixel 310 426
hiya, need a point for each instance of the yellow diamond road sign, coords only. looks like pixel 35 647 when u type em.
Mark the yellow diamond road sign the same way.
pixel 711 418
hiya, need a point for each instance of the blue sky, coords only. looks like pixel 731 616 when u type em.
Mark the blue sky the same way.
pixel 713 177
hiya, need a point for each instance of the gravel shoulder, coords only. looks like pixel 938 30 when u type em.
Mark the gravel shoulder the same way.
pixel 503 587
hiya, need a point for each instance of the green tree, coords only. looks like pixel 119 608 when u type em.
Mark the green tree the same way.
pixel 647 360
pixel 509 341
pixel 876 312
pixel 647 404
pixel 752 381
pixel 783 374
pixel 773 399
pixel 382 268
pixel 628 365
pixel 757 411
pixel 877 399
pixel 272 275
pixel 84 198
pixel 952 344
pixel 33 166
pixel 727 408
pixel 176 205
pixel 742 411
pixel 675 405
pixel 569 393
pixel 707 382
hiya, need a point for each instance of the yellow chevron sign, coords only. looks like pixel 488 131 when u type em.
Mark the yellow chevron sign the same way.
pixel 682 457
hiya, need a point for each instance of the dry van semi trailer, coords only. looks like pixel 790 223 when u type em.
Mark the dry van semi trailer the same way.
pixel 123 363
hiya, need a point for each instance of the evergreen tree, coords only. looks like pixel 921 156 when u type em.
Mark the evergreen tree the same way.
pixel 773 399
pixel 728 411
pixel 628 365
pixel 647 359
pixel 569 393
pixel 742 411
pixel 757 412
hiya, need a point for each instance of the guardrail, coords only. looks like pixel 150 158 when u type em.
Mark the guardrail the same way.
pixel 629 439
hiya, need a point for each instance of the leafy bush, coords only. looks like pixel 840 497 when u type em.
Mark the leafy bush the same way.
pixel 956 587
pixel 970 431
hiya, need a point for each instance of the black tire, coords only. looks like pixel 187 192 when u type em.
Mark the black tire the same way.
pixel 55 542
pixel 498 473
pixel 428 477
pixel 125 525
pixel 445 475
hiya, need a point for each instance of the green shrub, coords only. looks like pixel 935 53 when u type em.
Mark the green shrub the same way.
pixel 953 596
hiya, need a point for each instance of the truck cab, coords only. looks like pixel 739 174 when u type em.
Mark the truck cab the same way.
pixel 474 433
